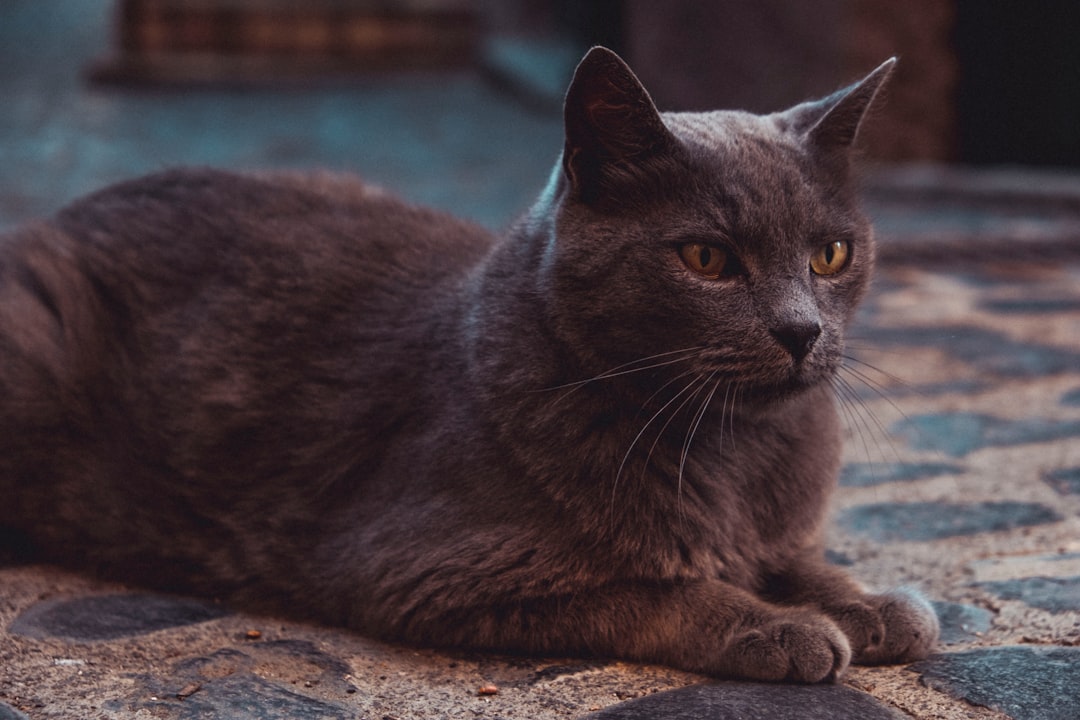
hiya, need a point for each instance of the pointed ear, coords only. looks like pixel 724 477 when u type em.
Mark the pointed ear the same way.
pixel 832 123
pixel 612 125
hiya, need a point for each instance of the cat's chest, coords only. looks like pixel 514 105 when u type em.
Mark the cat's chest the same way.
pixel 739 502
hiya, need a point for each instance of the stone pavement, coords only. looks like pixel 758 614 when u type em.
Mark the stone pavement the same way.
pixel 962 401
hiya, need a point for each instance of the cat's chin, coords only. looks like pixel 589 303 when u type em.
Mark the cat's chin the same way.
pixel 783 391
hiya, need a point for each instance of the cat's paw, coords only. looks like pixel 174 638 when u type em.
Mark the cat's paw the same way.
pixel 909 629
pixel 803 647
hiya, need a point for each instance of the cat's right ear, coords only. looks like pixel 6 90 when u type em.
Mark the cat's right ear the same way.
pixel 612 126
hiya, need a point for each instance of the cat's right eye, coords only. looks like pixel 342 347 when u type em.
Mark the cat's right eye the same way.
pixel 708 261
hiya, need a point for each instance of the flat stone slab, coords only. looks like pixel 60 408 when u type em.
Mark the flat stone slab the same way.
pixel 958 434
pixel 921 521
pixel 107 617
pixel 9 713
pixel 988 351
pixel 867 474
pixel 752 701
pixel 1054 594
pixel 1065 480
pixel 244 697
pixel 961 623
pixel 1030 306
pixel 1025 683
pixel 224 684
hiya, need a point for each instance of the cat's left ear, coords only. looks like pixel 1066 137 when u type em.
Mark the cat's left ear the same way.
pixel 831 124
pixel 612 126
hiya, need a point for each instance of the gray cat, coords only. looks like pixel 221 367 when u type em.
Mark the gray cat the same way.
pixel 611 432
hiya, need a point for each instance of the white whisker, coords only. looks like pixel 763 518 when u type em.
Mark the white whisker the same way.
pixel 869 382
pixel 626 368
pixel 695 423
pixel 686 401
pixel 645 427
pixel 863 412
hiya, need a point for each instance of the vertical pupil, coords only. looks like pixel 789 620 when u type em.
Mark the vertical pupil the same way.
pixel 705 256
pixel 830 253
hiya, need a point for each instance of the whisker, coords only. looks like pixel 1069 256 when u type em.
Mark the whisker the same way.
pixel 626 368
pixel 863 411
pixel 637 438
pixel 874 386
pixel 695 423
pixel 731 414
pixel 881 371
pixel 674 414
pixel 665 386
pixel 857 423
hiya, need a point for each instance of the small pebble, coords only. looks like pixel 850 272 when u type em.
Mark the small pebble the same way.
pixel 253 634
pixel 487 690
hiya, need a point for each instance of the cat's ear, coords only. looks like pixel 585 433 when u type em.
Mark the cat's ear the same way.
pixel 831 124
pixel 612 126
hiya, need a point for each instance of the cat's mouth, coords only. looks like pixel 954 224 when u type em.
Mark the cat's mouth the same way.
pixel 774 375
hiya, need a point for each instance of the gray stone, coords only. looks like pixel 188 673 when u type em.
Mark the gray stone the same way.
pixel 958 434
pixel 106 617
pixel 1025 683
pixel 9 713
pixel 1027 306
pixel 961 623
pixel 989 351
pixel 887 522
pixel 865 474
pixel 225 684
pixel 1048 593
pixel 237 697
pixel 1066 480
pixel 752 701
pixel 835 557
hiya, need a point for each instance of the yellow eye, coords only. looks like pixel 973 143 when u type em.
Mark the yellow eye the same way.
pixel 831 258
pixel 707 261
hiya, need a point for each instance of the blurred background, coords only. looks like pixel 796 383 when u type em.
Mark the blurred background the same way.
pixel 456 103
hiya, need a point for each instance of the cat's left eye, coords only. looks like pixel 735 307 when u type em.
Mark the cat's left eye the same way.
pixel 830 258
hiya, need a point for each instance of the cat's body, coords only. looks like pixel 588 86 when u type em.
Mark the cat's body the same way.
pixel 303 395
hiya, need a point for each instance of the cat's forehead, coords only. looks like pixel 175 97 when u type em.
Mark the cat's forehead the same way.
pixel 755 172
pixel 730 131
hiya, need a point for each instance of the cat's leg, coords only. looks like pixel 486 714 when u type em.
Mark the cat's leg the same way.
pixel 703 626
pixel 893 627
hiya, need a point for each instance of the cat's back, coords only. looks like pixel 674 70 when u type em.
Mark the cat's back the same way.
pixel 178 226
pixel 244 333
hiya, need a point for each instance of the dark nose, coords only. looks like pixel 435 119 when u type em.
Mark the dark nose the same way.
pixel 797 338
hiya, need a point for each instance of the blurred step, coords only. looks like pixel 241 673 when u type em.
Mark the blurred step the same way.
pixel 258 41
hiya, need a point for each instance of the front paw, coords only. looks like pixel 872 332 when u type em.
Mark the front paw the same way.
pixel 802 647
pixel 909 629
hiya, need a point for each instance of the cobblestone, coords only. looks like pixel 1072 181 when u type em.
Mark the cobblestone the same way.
pixel 965 361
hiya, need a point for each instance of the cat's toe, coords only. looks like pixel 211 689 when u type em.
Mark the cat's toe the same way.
pixel 910 625
pixel 863 626
pixel 806 649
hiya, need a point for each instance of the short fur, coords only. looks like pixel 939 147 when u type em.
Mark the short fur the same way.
pixel 306 396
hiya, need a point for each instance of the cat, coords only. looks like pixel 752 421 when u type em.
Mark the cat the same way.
pixel 609 432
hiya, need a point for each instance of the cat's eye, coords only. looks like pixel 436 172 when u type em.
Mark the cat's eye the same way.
pixel 707 261
pixel 830 258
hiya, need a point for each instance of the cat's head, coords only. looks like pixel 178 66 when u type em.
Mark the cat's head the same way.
pixel 732 233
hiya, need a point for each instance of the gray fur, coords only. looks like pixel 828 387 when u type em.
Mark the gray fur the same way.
pixel 308 397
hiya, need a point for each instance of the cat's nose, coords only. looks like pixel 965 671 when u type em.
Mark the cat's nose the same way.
pixel 797 338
